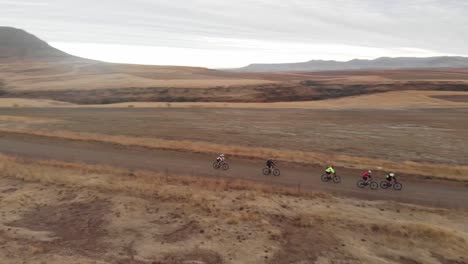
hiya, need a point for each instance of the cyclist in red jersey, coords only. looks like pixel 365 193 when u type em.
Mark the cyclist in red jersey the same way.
pixel 367 175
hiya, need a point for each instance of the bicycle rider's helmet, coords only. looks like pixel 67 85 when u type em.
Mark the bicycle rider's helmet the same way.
pixel 222 155
pixel 369 171
pixel 392 174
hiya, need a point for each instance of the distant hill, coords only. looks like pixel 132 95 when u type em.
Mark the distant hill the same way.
pixel 18 44
pixel 383 63
pixel 32 69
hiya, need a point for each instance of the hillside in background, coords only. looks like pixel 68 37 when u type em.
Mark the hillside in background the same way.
pixel 383 63
pixel 30 68
pixel 18 44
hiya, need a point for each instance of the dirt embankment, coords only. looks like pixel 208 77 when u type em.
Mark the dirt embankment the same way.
pixel 274 92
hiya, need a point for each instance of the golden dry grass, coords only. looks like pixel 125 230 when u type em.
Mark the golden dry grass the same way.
pixel 241 225
pixel 119 179
pixel 89 75
pixel 441 171
pixel 95 82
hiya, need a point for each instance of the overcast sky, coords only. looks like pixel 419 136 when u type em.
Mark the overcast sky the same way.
pixel 216 33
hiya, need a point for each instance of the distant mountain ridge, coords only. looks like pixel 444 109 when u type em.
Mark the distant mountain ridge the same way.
pixel 19 44
pixel 383 63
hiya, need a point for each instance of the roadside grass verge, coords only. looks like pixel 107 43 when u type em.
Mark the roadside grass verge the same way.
pixel 439 171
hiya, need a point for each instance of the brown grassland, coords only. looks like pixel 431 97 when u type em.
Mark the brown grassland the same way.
pixel 352 138
pixel 55 212
pixel 90 82
pixel 77 74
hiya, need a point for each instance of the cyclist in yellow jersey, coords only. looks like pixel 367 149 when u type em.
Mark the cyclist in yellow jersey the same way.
pixel 330 171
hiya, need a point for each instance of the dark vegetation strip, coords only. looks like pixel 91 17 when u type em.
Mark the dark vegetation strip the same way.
pixel 303 91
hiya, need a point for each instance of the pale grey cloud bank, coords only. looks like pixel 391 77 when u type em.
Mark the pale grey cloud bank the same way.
pixel 232 33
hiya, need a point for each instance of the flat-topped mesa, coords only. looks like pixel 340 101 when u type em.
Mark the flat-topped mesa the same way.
pixel 18 44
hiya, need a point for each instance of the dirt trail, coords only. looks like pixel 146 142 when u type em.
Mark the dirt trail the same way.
pixel 426 192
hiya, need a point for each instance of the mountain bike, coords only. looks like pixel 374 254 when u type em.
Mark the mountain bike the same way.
pixel 386 184
pixel 274 171
pixel 221 165
pixel 372 184
pixel 326 178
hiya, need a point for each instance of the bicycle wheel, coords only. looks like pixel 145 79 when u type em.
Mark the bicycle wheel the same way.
pixel 336 179
pixel 216 165
pixel 324 178
pixel 397 186
pixel 361 184
pixel 266 171
pixel 384 184
pixel 225 166
pixel 276 172
pixel 374 185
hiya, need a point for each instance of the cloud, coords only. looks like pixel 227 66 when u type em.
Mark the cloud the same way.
pixel 23 3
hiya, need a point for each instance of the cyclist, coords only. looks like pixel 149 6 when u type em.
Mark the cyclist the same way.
pixel 391 177
pixel 270 164
pixel 367 175
pixel 330 171
pixel 220 158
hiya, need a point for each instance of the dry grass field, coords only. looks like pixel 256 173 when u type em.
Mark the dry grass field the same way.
pixel 54 212
pixel 418 135
pixel 80 74
pixel 382 76
pixel 91 75
pixel 82 81
pixel 31 69
pixel 408 139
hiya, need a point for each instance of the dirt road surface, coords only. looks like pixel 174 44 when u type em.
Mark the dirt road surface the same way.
pixel 305 177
